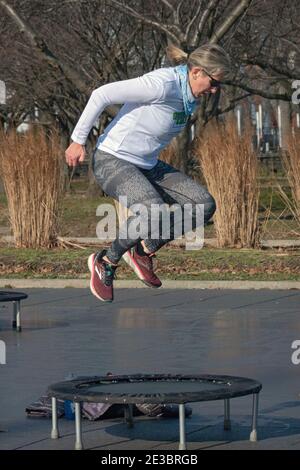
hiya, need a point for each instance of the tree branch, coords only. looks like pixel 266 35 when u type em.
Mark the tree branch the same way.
pixel 162 27
pixel 292 43
pixel 45 53
pixel 263 93
pixel 177 13
pixel 165 2
pixel 42 49
pixel 231 106
pixel 230 20
pixel 212 4
pixel 189 26
pixel 264 66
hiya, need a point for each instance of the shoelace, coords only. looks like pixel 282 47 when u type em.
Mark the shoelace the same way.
pixel 108 273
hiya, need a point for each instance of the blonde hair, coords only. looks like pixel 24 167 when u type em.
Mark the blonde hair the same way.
pixel 210 57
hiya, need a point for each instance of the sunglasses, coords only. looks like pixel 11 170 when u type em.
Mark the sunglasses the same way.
pixel 213 82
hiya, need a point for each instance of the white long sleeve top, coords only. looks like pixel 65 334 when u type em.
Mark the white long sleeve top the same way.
pixel 151 115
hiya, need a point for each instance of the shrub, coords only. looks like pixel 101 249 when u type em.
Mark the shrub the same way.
pixel 291 164
pixel 230 168
pixel 31 167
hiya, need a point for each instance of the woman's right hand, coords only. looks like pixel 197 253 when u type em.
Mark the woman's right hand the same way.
pixel 75 154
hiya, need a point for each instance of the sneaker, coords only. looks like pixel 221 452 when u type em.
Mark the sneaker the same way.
pixel 102 276
pixel 142 266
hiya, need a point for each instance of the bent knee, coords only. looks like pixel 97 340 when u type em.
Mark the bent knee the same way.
pixel 209 208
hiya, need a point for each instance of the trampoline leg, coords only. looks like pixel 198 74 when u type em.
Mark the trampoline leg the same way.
pixel 16 323
pixel 78 442
pixel 182 441
pixel 253 435
pixel 128 415
pixel 54 431
pixel 18 319
pixel 227 423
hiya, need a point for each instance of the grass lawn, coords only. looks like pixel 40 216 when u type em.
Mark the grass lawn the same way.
pixel 172 263
pixel 78 219
pixel 78 215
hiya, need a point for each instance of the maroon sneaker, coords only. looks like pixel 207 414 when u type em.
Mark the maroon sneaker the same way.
pixel 142 266
pixel 102 276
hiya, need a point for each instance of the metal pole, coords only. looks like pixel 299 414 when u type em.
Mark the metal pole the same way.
pixel 78 442
pixel 182 441
pixel 253 435
pixel 238 117
pixel 54 431
pixel 14 322
pixel 298 120
pixel 18 319
pixel 257 130
pixel 2 92
pixel 227 423
pixel 128 415
pixel 260 119
pixel 279 125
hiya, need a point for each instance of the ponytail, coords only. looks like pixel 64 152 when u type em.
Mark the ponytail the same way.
pixel 211 57
pixel 176 55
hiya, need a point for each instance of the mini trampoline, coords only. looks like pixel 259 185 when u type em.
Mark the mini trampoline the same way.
pixel 140 388
pixel 15 297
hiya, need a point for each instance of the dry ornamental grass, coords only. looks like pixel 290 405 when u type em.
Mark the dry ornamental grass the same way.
pixel 291 163
pixel 31 167
pixel 230 167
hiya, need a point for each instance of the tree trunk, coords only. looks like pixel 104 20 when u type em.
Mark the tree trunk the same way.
pixel 182 150
pixel 93 190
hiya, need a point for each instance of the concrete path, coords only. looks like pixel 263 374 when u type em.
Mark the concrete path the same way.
pixel 136 284
pixel 234 332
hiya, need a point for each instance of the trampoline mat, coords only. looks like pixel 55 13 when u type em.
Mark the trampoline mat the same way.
pixel 143 388
pixel 148 387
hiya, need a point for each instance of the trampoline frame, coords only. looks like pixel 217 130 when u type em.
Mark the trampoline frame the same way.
pixel 60 390
pixel 16 298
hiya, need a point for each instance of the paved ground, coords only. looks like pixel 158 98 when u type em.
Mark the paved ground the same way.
pixel 136 284
pixel 235 332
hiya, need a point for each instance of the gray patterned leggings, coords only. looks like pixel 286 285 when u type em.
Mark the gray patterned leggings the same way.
pixel 161 185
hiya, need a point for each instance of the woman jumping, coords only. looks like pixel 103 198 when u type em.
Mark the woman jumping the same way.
pixel 156 107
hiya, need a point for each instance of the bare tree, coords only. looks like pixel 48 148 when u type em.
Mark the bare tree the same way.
pixel 188 24
pixel 261 36
pixel 54 64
